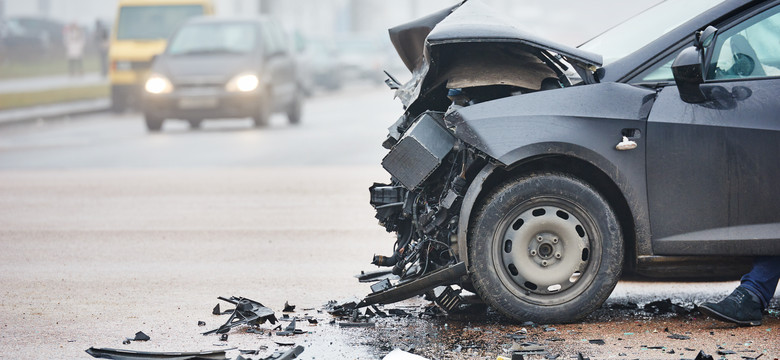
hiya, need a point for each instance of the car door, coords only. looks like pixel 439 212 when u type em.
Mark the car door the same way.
pixel 712 166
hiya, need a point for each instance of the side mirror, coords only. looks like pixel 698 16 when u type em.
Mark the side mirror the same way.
pixel 688 68
pixel 689 74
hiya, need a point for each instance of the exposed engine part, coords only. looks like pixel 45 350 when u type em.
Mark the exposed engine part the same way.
pixel 420 151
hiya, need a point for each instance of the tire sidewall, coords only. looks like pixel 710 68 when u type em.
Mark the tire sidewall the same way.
pixel 513 197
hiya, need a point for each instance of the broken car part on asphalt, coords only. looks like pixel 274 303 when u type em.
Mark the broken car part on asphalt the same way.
pixel 247 312
pixel 123 354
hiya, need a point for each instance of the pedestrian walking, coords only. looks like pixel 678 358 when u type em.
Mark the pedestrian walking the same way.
pixel 74 40
pixel 101 44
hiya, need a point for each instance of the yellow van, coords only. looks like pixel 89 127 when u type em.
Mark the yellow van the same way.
pixel 140 32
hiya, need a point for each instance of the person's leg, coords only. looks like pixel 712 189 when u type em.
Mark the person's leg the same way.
pixel 762 279
pixel 745 304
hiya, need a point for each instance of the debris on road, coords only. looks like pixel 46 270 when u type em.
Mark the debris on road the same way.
pixel 290 330
pixel 122 354
pixel 679 337
pixel 287 355
pixel 399 354
pixel 247 312
pixel 665 306
pixel 139 336
pixel 288 307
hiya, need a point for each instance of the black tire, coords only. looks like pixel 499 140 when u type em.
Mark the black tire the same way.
pixel 153 123
pixel 263 113
pixel 195 124
pixel 545 248
pixel 295 110
pixel 119 100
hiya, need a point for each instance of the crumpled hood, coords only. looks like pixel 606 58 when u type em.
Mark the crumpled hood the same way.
pixel 472 45
pixel 469 22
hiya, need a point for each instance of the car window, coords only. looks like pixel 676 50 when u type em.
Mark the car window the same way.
pixel 153 22
pixel 660 72
pixel 642 29
pixel 213 38
pixel 272 46
pixel 750 49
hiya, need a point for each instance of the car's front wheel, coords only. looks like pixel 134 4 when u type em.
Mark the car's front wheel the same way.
pixel 263 115
pixel 546 248
pixel 153 123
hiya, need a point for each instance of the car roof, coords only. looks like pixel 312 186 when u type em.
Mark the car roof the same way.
pixel 625 68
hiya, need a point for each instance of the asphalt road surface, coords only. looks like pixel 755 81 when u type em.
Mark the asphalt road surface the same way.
pixel 106 230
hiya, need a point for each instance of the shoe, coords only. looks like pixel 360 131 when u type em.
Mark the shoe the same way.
pixel 741 307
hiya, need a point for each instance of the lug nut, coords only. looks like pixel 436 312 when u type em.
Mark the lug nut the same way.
pixel 544 263
pixel 555 240
pixel 557 255
pixel 539 238
pixel 533 252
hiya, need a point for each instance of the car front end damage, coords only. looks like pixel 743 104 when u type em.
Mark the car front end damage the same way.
pixel 459 57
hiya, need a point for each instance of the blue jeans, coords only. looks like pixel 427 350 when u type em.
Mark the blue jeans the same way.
pixel 762 279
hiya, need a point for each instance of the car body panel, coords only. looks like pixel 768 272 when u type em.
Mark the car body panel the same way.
pixel 712 171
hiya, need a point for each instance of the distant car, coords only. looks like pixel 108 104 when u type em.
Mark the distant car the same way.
pixel 18 44
pixel 47 30
pixel 223 68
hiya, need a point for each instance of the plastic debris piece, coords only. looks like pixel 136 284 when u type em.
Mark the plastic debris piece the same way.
pixel 550 329
pixel 284 343
pixel 223 337
pixel 398 312
pixel 703 356
pixel 247 312
pixel 679 337
pixel 140 336
pixel 665 306
pixel 312 321
pixel 201 323
pixel 216 310
pixel 726 352
pixel 597 341
pixel 356 324
pixel 287 355
pixel 288 307
pixel 108 353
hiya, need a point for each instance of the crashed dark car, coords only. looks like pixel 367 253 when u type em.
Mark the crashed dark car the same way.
pixel 536 174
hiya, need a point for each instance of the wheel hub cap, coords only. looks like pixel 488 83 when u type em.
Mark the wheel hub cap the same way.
pixel 545 250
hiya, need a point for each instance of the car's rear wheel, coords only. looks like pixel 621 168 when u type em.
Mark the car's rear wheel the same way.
pixel 545 248
pixel 195 124
pixel 153 123
pixel 295 110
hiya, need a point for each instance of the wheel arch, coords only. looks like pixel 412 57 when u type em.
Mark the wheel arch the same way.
pixel 586 168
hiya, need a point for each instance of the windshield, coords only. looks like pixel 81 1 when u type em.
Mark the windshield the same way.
pixel 214 38
pixel 642 29
pixel 153 22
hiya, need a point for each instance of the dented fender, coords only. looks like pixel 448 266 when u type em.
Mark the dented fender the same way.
pixel 583 123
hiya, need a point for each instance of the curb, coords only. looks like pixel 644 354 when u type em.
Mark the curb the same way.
pixel 27 114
